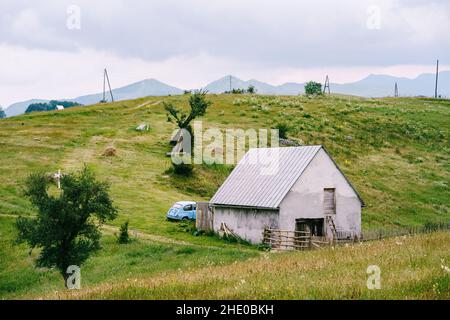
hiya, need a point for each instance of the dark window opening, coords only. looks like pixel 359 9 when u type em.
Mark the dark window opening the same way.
pixel 313 226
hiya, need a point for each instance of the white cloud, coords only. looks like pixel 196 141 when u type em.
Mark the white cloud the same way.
pixel 188 43
pixel 36 73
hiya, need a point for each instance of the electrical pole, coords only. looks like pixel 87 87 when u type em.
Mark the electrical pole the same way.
pixel 104 84
pixel 437 78
pixel 326 85
pixel 230 84
pixel 396 90
pixel 109 85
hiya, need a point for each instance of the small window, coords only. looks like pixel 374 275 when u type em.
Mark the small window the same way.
pixel 188 207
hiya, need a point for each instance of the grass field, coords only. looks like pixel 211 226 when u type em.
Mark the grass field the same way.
pixel 394 151
pixel 411 268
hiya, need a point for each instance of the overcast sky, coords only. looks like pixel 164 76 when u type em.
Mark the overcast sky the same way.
pixel 55 49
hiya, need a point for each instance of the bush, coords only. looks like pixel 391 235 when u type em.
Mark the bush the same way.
pixel 183 169
pixel 124 237
pixel 313 88
pixel 282 130
pixel 187 226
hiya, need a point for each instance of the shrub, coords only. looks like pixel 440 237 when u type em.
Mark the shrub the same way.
pixel 124 237
pixel 282 130
pixel 187 226
pixel 183 169
pixel 313 88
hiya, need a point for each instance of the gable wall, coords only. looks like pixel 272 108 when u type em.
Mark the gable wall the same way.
pixel 305 199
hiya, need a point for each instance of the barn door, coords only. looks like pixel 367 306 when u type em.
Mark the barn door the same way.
pixel 329 201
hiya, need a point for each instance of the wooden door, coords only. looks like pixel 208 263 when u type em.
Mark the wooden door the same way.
pixel 329 201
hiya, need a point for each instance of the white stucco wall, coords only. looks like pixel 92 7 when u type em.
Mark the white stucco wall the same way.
pixel 249 224
pixel 305 199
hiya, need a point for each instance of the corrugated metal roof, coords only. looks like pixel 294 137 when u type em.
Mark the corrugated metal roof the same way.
pixel 264 176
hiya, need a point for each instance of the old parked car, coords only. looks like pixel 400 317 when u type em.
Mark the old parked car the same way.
pixel 182 210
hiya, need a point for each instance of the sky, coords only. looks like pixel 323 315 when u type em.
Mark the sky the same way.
pixel 58 49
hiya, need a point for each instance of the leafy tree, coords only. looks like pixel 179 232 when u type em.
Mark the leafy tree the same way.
pixel 37 107
pixel 198 104
pixel 51 105
pixel 2 113
pixel 66 229
pixel 313 88
pixel 124 237
pixel 251 89
pixel 238 91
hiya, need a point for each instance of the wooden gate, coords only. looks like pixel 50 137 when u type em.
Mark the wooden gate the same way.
pixel 292 240
pixel 204 217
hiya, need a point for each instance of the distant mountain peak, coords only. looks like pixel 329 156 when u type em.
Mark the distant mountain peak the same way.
pixel 374 85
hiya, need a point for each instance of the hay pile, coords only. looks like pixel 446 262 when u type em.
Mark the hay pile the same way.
pixel 109 152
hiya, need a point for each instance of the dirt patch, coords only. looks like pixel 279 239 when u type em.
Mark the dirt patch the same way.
pixel 109 152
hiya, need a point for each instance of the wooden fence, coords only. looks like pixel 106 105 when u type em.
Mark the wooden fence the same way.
pixel 302 240
pixel 291 240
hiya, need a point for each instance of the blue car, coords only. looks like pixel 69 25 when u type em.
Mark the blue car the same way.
pixel 182 210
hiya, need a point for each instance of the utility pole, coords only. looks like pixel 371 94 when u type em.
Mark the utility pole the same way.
pixel 230 84
pixel 396 90
pixel 109 85
pixel 106 79
pixel 326 85
pixel 437 78
pixel 104 84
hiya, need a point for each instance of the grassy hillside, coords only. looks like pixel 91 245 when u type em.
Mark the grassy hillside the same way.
pixel 411 268
pixel 394 151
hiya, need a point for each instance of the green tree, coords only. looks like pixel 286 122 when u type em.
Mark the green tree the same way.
pixel 313 88
pixel 2 113
pixel 51 105
pixel 124 237
pixel 251 89
pixel 198 106
pixel 66 228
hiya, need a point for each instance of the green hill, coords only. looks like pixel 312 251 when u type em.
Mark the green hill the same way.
pixel 394 151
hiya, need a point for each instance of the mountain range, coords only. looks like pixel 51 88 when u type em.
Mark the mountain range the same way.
pixel 371 86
